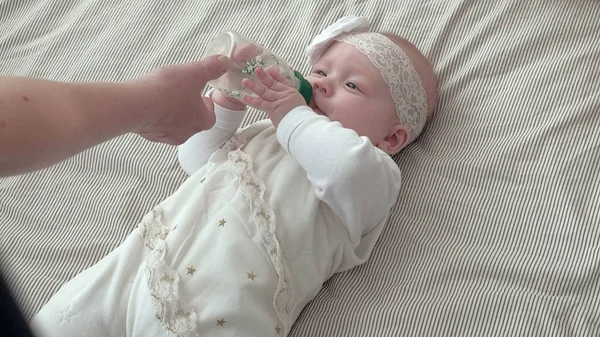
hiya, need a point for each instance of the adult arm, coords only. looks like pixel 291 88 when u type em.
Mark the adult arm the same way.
pixel 43 122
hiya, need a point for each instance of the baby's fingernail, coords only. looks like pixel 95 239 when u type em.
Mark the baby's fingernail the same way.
pixel 224 61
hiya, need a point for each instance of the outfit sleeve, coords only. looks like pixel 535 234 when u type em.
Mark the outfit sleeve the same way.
pixel 194 153
pixel 356 179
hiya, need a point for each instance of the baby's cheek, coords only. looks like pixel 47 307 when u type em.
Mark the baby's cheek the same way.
pixel 351 120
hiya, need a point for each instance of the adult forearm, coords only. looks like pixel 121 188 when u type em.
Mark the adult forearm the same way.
pixel 43 122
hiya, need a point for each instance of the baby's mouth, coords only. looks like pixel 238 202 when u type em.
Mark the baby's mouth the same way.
pixel 316 109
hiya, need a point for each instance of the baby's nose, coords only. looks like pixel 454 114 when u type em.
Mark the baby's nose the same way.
pixel 323 86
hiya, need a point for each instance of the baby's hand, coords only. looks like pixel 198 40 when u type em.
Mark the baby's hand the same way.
pixel 276 95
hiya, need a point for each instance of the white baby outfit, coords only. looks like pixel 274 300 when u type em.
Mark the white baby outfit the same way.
pixel 246 242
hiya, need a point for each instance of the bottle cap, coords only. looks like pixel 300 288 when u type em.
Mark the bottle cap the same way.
pixel 305 87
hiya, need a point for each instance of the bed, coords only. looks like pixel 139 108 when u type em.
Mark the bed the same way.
pixel 497 228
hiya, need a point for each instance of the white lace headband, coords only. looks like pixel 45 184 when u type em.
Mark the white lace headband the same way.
pixel 395 66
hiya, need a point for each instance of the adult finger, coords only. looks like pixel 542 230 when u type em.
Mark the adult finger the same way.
pixel 249 50
pixel 171 139
pixel 209 68
pixel 152 137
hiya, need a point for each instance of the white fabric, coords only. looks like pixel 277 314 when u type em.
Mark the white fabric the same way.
pixel 395 66
pixel 123 295
pixel 357 180
pixel 197 149
pixel 320 43
pixel 290 221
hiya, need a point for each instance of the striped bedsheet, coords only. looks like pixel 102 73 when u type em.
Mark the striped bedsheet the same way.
pixel 497 228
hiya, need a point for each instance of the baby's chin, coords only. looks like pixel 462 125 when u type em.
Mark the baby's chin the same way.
pixel 315 108
pixel 318 111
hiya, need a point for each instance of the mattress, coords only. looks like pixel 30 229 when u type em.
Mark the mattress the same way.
pixel 497 228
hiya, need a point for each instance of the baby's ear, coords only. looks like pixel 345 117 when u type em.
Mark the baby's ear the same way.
pixel 396 139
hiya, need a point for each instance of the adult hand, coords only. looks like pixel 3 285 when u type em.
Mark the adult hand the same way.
pixel 176 109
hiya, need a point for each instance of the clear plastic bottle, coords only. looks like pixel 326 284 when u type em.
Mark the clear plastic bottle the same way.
pixel 246 56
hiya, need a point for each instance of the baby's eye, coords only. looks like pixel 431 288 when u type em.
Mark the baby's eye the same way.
pixel 351 85
pixel 321 72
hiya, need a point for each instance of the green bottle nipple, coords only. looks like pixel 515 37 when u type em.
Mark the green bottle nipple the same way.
pixel 305 87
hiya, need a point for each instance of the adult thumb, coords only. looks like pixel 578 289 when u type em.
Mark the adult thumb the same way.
pixel 209 68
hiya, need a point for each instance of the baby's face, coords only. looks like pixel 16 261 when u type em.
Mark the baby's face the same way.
pixel 347 88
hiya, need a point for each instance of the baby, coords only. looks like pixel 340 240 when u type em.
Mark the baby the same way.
pixel 271 211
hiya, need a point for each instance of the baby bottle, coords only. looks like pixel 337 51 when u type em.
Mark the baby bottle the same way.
pixel 246 56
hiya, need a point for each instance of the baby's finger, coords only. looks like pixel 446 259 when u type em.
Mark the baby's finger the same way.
pixel 256 87
pixel 276 74
pixel 259 89
pixel 234 55
pixel 256 102
pixel 265 78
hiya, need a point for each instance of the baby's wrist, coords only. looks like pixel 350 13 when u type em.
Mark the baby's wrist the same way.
pixel 277 117
pixel 228 103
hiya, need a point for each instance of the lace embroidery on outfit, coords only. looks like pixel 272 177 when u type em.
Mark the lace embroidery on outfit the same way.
pixel 264 218
pixel 177 317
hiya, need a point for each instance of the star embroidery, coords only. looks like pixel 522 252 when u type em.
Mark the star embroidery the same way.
pixel 277 329
pixel 251 275
pixel 191 270
pixel 222 223
pixel 67 316
pixel 221 322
